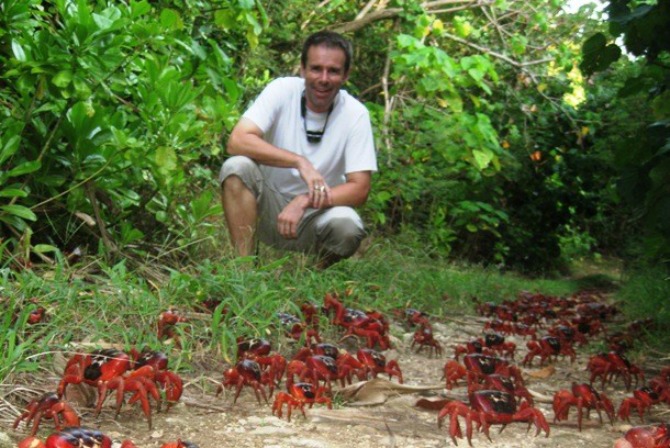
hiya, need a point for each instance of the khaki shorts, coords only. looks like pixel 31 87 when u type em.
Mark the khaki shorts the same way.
pixel 336 230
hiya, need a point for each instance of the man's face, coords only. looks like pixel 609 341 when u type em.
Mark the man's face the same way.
pixel 324 75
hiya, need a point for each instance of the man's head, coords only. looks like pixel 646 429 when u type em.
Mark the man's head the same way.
pixel 329 39
pixel 325 63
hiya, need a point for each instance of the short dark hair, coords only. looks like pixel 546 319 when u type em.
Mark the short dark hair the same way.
pixel 329 39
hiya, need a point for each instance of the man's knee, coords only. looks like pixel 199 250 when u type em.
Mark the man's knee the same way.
pixel 238 173
pixel 341 235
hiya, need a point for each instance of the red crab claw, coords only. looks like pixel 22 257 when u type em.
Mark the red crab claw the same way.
pixel 172 384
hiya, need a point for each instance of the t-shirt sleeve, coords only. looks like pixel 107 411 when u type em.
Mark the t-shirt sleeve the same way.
pixel 360 149
pixel 267 106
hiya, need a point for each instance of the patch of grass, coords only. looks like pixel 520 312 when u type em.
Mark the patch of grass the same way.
pixel 95 303
pixel 645 294
pixel 597 282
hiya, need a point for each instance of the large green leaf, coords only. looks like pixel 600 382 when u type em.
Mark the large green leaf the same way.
pixel 18 51
pixel 597 55
pixel 9 147
pixel 25 168
pixel 19 210
pixel 13 193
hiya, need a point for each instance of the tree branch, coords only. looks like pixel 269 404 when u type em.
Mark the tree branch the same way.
pixel 391 13
pixel 495 54
pixel 89 189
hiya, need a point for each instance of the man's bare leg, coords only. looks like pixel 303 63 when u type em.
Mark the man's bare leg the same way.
pixel 239 207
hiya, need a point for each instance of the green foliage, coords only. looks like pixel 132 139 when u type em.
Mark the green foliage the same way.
pixel 113 113
pixel 643 158
pixel 644 295
pixel 110 112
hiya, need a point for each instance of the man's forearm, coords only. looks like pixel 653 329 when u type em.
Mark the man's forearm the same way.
pixel 348 194
pixel 256 148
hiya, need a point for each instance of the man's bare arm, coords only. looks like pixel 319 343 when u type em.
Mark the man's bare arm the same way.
pixel 247 140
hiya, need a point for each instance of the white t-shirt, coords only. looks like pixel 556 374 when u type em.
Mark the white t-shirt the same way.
pixel 346 146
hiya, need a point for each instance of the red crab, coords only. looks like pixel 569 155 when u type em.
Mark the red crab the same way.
pixel 567 333
pixel 476 367
pixel 413 317
pixel 310 312
pixel 313 368
pixel 375 363
pixel 546 348
pixel 74 437
pixel 245 373
pixel 497 343
pixel 94 369
pixel 582 396
pixel 326 349
pixel 371 326
pixel 171 383
pixel 490 344
pixel 167 323
pixel 472 346
pixel 299 395
pixel 51 407
pixel 607 366
pixel 643 398
pixel 656 436
pixel 490 407
pixel 273 365
pixel 424 337
pixel 257 347
pixel 297 329
pixel 661 382
pixel 37 315
pixel 140 382
pixel 502 383
pixel 347 365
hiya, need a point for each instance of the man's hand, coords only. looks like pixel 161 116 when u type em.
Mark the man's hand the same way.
pixel 320 194
pixel 289 218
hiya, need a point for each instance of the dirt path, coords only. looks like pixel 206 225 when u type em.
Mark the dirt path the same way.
pixel 213 422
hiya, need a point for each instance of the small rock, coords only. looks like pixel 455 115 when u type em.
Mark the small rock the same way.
pixel 308 443
pixel 271 431
pixel 156 434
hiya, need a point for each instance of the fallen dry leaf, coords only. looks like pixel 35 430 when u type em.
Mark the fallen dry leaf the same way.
pixel 377 391
pixel 543 373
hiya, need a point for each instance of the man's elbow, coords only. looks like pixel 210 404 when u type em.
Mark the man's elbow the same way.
pixel 233 146
pixel 363 196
